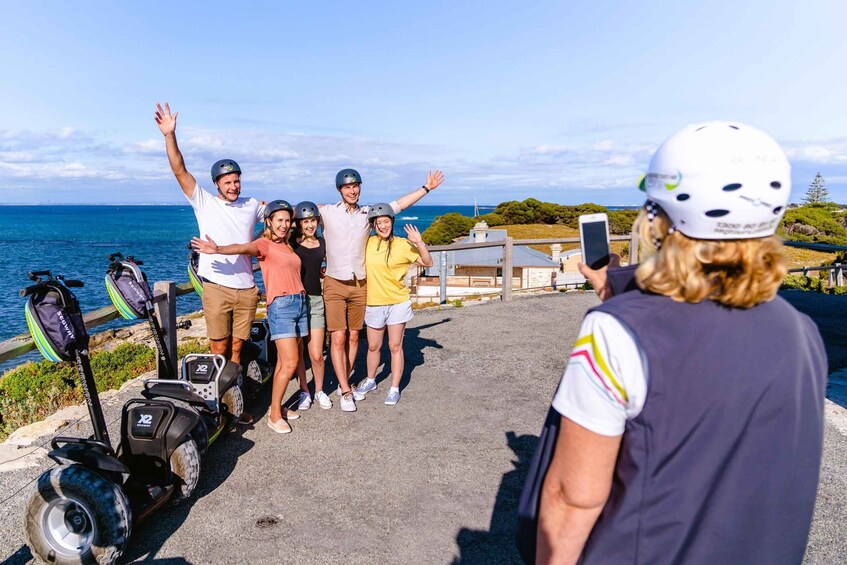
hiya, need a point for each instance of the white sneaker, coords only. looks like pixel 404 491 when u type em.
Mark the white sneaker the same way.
pixel 348 404
pixel 305 401
pixel 323 400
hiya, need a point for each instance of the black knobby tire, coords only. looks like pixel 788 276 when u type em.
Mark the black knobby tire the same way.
pixel 255 377
pixel 233 401
pixel 77 515
pixel 185 470
pixel 200 433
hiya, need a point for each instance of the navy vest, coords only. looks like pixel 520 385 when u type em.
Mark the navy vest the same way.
pixel 721 465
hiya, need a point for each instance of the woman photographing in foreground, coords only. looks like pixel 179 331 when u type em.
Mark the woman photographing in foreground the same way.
pixel 286 299
pixel 692 407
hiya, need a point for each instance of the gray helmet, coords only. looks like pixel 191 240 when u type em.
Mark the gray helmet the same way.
pixel 306 209
pixel 276 206
pixel 224 167
pixel 347 176
pixel 381 209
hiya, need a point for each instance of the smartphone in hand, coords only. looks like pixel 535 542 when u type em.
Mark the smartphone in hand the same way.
pixel 594 239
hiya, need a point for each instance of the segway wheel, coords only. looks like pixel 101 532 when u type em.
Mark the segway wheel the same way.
pixel 200 433
pixel 233 399
pixel 255 375
pixel 185 470
pixel 77 516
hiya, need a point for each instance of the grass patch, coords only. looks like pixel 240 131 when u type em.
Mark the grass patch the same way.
pixel 33 391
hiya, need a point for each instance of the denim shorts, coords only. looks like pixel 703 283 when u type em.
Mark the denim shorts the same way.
pixel 287 316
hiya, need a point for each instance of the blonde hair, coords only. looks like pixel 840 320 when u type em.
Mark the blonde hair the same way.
pixel 735 272
pixel 268 233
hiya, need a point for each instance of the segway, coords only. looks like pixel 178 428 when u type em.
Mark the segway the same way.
pixel 195 279
pixel 259 356
pixel 130 294
pixel 253 359
pixel 217 398
pixel 82 510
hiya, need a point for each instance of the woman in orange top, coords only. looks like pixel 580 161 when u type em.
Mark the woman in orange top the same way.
pixel 286 299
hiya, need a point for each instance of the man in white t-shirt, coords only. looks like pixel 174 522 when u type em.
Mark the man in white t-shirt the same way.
pixel 230 295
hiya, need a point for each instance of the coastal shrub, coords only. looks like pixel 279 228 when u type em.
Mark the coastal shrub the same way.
pixel 814 224
pixel 492 219
pixel 620 221
pixel 34 390
pixel 444 229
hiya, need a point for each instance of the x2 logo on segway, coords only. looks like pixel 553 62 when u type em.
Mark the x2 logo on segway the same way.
pixel 146 423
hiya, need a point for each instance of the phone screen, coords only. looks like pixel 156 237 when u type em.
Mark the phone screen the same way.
pixel 595 243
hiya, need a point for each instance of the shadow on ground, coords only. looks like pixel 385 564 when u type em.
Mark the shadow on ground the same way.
pixel 497 544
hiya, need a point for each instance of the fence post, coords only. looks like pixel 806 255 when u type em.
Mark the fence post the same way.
pixel 839 275
pixel 633 248
pixel 166 313
pixel 830 278
pixel 442 282
pixel 507 270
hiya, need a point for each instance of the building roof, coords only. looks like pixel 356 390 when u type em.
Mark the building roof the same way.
pixel 522 255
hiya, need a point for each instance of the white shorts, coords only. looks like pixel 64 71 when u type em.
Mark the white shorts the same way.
pixel 377 317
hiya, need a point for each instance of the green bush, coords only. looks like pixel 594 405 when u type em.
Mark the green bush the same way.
pixel 814 224
pixel 620 221
pixel 444 229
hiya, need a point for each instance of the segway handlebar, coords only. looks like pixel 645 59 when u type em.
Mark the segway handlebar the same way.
pixel 73 283
pixel 28 290
pixel 33 275
pixel 187 386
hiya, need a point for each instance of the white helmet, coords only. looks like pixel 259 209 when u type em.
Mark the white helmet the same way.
pixel 720 180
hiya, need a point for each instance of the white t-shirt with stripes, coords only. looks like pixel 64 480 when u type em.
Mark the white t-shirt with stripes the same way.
pixel 605 381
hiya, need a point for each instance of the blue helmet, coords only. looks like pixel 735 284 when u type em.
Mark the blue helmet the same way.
pixel 381 209
pixel 276 206
pixel 347 176
pixel 306 209
pixel 224 167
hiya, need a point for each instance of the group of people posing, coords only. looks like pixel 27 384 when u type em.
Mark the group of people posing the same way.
pixel 337 282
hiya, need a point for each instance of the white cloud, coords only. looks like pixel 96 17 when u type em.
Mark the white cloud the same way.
pixel 306 164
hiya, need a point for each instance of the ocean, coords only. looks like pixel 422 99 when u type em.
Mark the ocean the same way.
pixel 75 241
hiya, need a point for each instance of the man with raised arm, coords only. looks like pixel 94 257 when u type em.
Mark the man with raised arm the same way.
pixel 230 295
pixel 346 230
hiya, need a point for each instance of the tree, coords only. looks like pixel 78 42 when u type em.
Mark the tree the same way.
pixel 817 193
pixel 446 228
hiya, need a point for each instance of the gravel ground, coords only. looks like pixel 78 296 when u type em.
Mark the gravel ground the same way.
pixel 434 479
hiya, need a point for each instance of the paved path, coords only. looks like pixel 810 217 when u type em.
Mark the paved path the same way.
pixel 434 479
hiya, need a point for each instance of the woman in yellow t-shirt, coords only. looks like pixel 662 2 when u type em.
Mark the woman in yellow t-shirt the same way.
pixel 387 260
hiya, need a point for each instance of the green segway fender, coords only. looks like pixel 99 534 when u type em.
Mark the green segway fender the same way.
pixel 41 342
pixel 195 281
pixel 120 304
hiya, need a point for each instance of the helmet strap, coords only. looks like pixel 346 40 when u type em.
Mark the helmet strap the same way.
pixel 653 211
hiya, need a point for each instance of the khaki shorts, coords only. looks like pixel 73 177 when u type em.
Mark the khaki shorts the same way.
pixel 229 311
pixel 345 304
pixel 317 312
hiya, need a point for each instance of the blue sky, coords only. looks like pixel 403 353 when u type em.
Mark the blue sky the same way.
pixel 561 101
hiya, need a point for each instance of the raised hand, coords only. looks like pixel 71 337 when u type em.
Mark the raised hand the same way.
pixel 207 246
pixel 413 234
pixel 166 120
pixel 433 179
